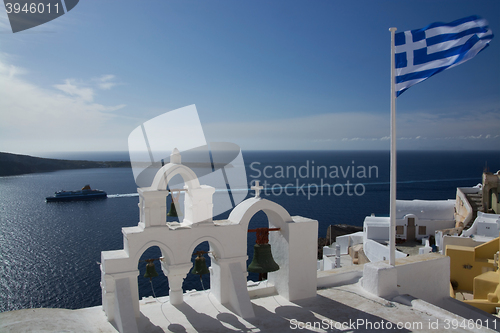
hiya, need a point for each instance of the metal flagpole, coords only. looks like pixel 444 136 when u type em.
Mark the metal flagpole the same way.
pixel 392 229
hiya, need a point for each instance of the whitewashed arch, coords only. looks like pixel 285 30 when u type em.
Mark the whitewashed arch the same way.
pixel 215 246
pixel 166 252
pixel 170 170
pixel 276 214
pixel 294 247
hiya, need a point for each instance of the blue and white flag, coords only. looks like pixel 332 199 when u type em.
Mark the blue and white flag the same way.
pixel 424 52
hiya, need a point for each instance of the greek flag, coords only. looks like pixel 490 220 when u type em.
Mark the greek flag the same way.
pixel 424 52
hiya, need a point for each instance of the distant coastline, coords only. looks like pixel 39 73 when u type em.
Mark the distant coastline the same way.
pixel 14 164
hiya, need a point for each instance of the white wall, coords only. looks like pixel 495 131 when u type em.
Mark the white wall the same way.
pixel 428 280
pixel 328 262
pixel 426 277
pixel 426 209
pixel 482 218
pixel 376 228
pixel 375 251
pixel 327 250
pixel 432 227
pixel 347 241
pixel 488 229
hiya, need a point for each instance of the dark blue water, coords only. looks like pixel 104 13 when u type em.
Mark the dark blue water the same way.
pixel 49 251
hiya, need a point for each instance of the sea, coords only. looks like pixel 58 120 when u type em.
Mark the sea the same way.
pixel 50 251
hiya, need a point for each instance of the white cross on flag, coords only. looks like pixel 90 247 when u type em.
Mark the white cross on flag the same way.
pixel 424 52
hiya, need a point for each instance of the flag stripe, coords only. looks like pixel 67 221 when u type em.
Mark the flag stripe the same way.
pixel 442 28
pixel 449 37
pixel 421 56
pixel 449 29
pixel 425 52
pixel 447 44
pixel 419 75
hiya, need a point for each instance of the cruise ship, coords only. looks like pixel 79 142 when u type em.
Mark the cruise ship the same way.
pixel 86 193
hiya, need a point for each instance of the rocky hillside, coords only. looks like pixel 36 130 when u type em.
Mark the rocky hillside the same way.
pixel 331 234
pixel 13 164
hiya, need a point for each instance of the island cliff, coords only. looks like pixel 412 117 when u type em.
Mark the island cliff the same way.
pixel 14 164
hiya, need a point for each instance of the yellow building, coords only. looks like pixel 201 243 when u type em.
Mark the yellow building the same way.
pixel 475 270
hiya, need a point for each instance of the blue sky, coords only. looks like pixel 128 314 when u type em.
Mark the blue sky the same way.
pixel 286 74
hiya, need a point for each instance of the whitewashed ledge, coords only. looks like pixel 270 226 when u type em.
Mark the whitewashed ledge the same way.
pixel 340 276
pixel 200 312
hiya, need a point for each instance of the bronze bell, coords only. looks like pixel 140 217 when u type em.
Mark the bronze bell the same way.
pixel 150 269
pixel 172 212
pixel 263 261
pixel 200 266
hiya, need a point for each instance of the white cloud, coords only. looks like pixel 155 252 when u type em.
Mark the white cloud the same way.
pixel 10 70
pixel 70 87
pixel 65 116
pixel 4 21
pixel 105 82
pixel 356 130
pixel 35 118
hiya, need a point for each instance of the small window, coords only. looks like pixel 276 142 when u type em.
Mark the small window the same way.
pixel 400 230
pixel 422 230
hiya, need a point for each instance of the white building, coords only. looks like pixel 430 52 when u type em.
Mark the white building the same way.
pixel 485 225
pixel 415 219
pixel 485 228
